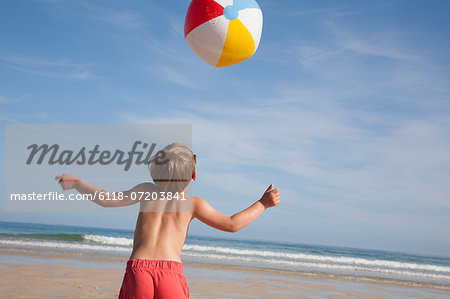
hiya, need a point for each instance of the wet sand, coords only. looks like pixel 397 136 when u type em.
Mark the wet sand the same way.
pixel 30 273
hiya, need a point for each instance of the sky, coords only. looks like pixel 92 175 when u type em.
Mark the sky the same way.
pixel 345 107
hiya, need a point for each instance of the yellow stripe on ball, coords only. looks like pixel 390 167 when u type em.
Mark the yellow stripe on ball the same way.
pixel 239 44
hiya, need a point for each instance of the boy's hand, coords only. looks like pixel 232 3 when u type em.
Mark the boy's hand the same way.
pixel 271 197
pixel 67 181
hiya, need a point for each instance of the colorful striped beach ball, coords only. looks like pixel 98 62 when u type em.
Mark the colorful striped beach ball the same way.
pixel 223 32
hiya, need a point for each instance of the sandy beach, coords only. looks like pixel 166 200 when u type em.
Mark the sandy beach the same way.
pixel 31 273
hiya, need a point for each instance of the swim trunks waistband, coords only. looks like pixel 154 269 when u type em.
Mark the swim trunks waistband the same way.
pixel 155 264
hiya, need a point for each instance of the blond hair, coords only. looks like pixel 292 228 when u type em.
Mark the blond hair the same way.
pixel 173 171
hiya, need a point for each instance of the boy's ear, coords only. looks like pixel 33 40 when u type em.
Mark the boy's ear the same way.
pixel 194 175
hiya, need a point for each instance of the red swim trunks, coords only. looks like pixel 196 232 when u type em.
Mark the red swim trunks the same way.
pixel 145 279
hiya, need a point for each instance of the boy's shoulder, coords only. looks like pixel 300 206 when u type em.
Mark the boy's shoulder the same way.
pixel 198 202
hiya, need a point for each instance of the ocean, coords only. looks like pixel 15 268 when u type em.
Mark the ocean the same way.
pixel 361 263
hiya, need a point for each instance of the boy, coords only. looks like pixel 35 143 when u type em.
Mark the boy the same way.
pixel 154 269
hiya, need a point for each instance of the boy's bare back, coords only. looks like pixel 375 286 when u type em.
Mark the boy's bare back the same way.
pixel 160 235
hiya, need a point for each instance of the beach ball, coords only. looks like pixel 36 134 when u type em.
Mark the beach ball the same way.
pixel 223 32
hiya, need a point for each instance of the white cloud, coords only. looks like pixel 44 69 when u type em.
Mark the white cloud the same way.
pixel 19 99
pixel 379 44
pixel 174 75
pixel 9 120
pixel 127 19
pixel 55 68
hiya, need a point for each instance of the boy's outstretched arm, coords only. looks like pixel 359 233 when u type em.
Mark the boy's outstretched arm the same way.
pixel 99 196
pixel 208 215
